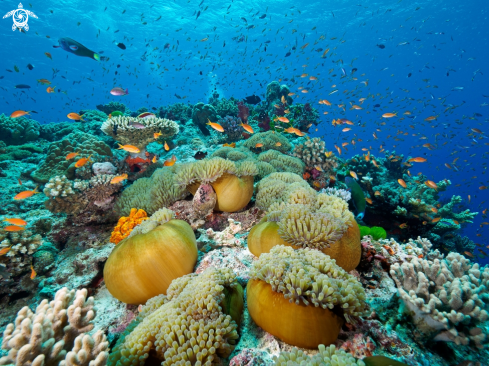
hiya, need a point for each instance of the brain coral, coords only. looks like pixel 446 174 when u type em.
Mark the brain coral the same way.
pixel 292 294
pixel 56 163
pixel 191 325
pixel 16 131
pixel 121 129
pixel 269 140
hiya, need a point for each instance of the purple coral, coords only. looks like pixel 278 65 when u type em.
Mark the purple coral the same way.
pixel 231 127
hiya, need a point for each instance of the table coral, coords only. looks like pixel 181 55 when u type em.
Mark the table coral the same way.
pixel 190 324
pixel 447 298
pixel 126 224
pixel 121 129
pixel 57 327
pixel 56 163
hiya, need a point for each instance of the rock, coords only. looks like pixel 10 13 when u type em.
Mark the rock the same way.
pixel 104 168
pixel 204 201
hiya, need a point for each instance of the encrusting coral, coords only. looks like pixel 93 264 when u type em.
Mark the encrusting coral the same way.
pixel 43 338
pixel 56 162
pixel 301 296
pixel 17 131
pixel 125 225
pixel 194 324
pixel 156 252
pixel 122 129
pixel 447 298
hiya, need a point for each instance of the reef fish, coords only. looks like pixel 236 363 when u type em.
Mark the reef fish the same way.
pixel 72 46
pixel 129 148
pixel 119 91
pixel 118 179
pixel 199 155
pixel 253 99
pixel 4 251
pixel 358 196
pixel 17 114
pixel 75 117
pixel 215 126
pixel 25 194
pixel 13 228
pixel 18 222
pixel 81 162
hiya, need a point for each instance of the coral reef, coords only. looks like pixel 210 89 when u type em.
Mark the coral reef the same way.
pixel 226 107
pixel 19 130
pixel 56 163
pixel 111 107
pixel 231 127
pixel 312 153
pixel 56 333
pixel 126 224
pixel 447 298
pixel 22 246
pixel 139 132
pixel 28 152
pixel 326 356
pixel 275 92
pixel 176 112
pixel 205 308
pixel 201 114
pixel 270 140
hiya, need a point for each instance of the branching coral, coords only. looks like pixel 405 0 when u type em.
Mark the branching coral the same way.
pixel 188 326
pixel 126 224
pixel 447 298
pixel 338 192
pixel 22 245
pixel 312 153
pixel 44 337
pixel 19 130
pixel 138 131
pixel 313 285
pixel 56 162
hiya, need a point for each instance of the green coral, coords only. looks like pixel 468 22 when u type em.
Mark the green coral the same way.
pixel 269 140
pixel 16 131
pixel 376 232
pixel 56 163
pixel 19 152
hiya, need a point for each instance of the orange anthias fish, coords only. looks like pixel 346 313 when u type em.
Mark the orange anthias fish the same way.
pixel 417 160
pixel 118 179
pixel 167 148
pixel 33 273
pixel 13 228
pixel 283 119
pixel 431 184
pixel 71 155
pixel 431 118
pixel 215 126
pixel 50 90
pixel 353 174
pixel 18 222
pixel 170 162
pixel 44 81
pixel 402 183
pixel 258 145
pixel 75 117
pixel 278 144
pixel 233 145
pixel 81 162
pixel 157 134
pixel 129 148
pixel 25 194
pixel 247 127
pixel 18 114
pixel 389 115
pixel 4 251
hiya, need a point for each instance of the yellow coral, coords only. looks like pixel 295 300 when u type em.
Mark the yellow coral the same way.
pixel 126 224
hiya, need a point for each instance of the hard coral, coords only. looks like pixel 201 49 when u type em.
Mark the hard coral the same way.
pixel 57 327
pixel 19 130
pixel 291 294
pixel 126 224
pixel 195 323
pixel 22 246
pixel 327 356
pixel 447 298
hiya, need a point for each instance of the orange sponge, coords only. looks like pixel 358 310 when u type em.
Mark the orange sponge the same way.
pixel 126 224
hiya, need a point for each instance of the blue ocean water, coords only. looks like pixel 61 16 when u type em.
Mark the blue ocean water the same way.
pixel 428 58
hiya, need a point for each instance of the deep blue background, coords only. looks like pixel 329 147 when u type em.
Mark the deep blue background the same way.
pixel 441 36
